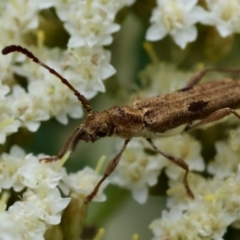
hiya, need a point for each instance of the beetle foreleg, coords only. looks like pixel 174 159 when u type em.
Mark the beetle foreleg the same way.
pixel 215 116
pixel 177 161
pixel 110 168
pixel 63 150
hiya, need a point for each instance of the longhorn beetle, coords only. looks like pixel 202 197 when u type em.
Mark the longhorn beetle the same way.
pixel 164 115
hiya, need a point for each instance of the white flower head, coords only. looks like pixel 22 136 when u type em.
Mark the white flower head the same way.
pixel 36 174
pixel 87 68
pixel 19 16
pixel 83 182
pixel 27 108
pixel 220 167
pixel 162 78
pixel 8 125
pixel 226 149
pixel 137 171
pixel 9 165
pixel 9 227
pixel 177 18
pixel 168 226
pixel 62 6
pixel 48 204
pixel 225 15
pixel 6 71
pixel 202 220
pixel 28 224
pixel 89 25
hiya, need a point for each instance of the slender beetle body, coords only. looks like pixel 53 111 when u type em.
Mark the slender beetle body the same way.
pixel 171 113
pixel 191 107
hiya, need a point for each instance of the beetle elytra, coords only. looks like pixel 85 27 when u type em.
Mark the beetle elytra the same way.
pixel 160 116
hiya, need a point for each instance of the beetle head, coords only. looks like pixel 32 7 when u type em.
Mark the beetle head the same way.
pixel 96 125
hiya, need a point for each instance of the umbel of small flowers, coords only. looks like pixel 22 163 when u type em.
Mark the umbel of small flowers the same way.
pixel 39 204
pixel 179 18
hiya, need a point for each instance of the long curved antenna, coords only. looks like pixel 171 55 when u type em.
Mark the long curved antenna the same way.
pixel 15 48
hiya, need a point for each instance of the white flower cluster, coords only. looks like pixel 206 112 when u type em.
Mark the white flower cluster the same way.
pixel 179 17
pixel 90 25
pixel 41 204
pixel 215 208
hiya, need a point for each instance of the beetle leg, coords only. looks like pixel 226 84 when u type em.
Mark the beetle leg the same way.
pixel 196 78
pixel 215 116
pixel 177 161
pixel 63 150
pixel 110 168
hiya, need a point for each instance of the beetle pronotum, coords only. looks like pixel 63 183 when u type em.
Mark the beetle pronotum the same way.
pixel 164 115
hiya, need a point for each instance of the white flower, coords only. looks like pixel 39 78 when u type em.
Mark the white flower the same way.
pixel 225 15
pixel 37 174
pixel 6 71
pixel 18 170
pixel 161 78
pixel 8 125
pixel 169 227
pixel 226 160
pixel 89 25
pixel 21 16
pixel 87 68
pixel 220 167
pixel 29 226
pixel 9 165
pixel 83 182
pixel 177 18
pixel 8 227
pixel 48 204
pixel 204 218
pixel 27 109
pixel 62 6
pixel 137 171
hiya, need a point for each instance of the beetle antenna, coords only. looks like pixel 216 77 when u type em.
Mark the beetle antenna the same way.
pixel 17 48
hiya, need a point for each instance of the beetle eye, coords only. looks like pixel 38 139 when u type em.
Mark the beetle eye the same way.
pixel 101 134
pixel 102 130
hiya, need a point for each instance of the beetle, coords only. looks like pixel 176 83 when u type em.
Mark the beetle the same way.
pixel 161 116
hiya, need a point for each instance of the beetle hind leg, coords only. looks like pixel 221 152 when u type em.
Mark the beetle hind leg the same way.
pixel 213 117
pixel 179 162
pixel 196 78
